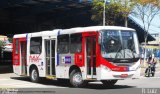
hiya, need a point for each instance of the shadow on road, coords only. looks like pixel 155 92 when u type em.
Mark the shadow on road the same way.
pixel 66 83
pixel 6 69
pixel 101 86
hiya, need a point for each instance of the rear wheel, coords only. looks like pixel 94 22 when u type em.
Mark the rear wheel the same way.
pixel 76 79
pixel 152 74
pixel 109 83
pixel 149 72
pixel 34 75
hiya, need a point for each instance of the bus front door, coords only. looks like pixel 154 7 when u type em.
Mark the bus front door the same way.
pixel 50 57
pixel 91 56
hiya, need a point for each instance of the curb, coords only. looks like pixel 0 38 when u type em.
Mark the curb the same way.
pixel 142 77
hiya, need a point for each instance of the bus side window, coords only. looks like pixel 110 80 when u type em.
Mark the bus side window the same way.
pixel 76 43
pixel 36 45
pixel 63 44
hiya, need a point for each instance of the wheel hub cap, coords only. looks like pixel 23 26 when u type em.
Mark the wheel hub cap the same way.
pixel 77 78
pixel 34 74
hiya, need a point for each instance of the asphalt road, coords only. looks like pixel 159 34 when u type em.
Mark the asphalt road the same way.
pixel 11 82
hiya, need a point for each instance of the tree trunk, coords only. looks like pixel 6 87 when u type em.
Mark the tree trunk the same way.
pixel 126 22
pixel 145 53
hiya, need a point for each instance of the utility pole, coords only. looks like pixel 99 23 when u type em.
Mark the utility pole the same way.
pixel 104 13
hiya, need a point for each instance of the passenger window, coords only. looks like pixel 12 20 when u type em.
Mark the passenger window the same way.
pixel 63 44
pixel 36 45
pixel 76 43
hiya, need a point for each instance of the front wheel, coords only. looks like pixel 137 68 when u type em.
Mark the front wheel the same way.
pixel 34 75
pixel 76 79
pixel 149 72
pixel 109 83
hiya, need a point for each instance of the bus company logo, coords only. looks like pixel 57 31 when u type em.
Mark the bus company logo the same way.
pixel 34 58
pixel 66 60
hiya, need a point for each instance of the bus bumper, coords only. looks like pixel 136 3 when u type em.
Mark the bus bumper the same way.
pixel 107 74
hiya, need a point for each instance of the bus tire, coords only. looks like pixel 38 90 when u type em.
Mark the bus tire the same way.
pixel 34 75
pixel 76 79
pixel 109 83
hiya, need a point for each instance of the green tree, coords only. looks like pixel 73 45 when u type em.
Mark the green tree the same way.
pixel 1 45
pixel 10 40
pixel 115 10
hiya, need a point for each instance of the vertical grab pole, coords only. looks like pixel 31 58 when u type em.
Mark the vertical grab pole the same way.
pixel 91 56
pixel 50 56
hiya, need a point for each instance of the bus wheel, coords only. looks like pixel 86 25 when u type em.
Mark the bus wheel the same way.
pixel 109 83
pixel 76 79
pixel 34 75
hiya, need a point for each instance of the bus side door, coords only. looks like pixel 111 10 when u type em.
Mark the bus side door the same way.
pixel 90 54
pixel 19 56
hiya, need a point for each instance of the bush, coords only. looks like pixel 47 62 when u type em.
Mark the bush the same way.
pixel 1 43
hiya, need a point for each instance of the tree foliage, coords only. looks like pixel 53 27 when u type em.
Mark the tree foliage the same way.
pixel 10 39
pixel 145 2
pixel 1 44
pixel 115 10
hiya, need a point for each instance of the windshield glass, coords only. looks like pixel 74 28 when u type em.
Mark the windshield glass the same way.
pixel 119 46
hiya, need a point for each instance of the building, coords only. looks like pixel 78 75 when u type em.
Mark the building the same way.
pixel 3 38
pixel 153 47
pixel 39 15
pixel 157 41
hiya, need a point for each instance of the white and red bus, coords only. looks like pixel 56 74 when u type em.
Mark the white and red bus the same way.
pixel 96 53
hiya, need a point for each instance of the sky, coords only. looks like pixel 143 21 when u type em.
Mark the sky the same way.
pixel 155 24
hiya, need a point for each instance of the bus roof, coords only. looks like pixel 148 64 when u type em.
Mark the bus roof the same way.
pixel 44 33
pixel 73 30
pixel 93 29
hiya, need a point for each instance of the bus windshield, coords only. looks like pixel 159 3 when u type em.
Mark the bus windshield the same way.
pixel 119 46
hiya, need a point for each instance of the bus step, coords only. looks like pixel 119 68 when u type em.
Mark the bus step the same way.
pixel 23 75
pixel 51 77
pixel 91 79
